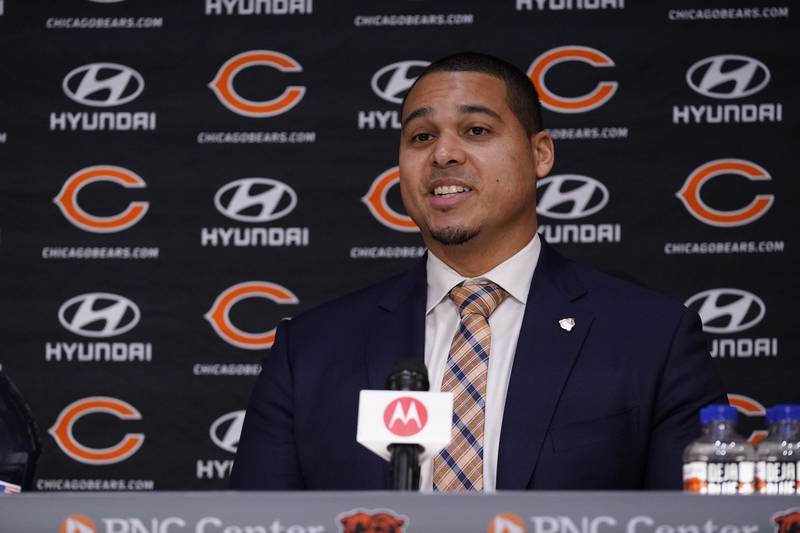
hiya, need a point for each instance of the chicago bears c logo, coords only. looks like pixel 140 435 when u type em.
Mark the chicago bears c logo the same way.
pixel 601 94
pixel 62 431
pixel 223 88
pixel 219 314
pixel 690 193
pixel 67 199
pixel 380 208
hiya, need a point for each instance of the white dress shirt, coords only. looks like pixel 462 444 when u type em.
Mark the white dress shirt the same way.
pixel 514 275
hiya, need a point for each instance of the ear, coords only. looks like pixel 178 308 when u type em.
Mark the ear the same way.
pixel 543 152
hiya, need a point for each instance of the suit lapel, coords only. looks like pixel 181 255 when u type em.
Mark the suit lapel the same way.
pixel 399 327
pixel 542 363
pixel 398 332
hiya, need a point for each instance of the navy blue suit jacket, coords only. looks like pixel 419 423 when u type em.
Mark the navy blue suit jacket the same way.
pixel 608 405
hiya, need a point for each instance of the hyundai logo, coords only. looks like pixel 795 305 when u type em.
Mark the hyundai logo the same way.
pixel 727 310
pixel 99 314
pixel 393 81
pixel 255 200
pixel 569 196
pixel 728 76
pixel 103 84
pixel 226 430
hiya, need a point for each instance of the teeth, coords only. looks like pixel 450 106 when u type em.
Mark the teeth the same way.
pixel 449 189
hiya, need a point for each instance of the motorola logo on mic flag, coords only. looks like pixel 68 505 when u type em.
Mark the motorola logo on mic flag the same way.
pixel 219 314
pixel 62 431
pixel 728 76
pixel 378 204
pixel 78 523
pixel 405 416
pixel 600 95
pixel 103 84
pixel 570 196
pixel 223 84
pixel 393 81
pixel 727 310
pixel 255 200
pixel 690 193
pixel 99 314
pixel 226 430
pixel 67 199
pixel 506 523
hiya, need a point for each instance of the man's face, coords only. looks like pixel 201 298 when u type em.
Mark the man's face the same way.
pixel 468 169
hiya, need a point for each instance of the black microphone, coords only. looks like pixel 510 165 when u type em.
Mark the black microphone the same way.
pixel 410 375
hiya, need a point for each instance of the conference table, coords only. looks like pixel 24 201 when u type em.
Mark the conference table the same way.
pixel 394 512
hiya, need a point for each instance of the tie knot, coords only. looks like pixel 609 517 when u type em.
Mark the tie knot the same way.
pixel 479 298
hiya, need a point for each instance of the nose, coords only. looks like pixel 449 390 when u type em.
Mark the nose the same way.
pixel 447 152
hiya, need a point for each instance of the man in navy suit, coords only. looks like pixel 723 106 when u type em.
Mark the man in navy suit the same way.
pixel 593 383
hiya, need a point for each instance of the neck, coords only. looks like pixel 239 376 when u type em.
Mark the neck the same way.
pixel 476 257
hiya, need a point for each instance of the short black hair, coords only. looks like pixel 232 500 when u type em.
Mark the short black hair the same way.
pixel 521 95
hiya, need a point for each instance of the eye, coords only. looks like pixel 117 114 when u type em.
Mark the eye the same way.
pixel 477 130
pixel 421 137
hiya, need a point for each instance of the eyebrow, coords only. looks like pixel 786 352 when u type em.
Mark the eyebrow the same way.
pixel 473 108
pixel 466 109
pixel 419 112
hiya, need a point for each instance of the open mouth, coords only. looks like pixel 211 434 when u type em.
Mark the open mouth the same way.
pixel 446 191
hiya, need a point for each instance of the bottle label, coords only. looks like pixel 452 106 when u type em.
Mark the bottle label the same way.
pixel 694 477
pixel 703 477
pixel 777 477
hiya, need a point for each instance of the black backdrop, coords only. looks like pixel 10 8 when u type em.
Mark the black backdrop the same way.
pixel 178 176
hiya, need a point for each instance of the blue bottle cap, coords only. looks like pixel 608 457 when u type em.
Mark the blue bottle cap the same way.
pixel 717 412
pixel 785 411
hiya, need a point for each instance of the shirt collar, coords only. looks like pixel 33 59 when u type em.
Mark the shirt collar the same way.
pixel 515 275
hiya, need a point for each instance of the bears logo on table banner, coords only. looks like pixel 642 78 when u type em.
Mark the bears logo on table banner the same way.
pixel 597 97
pixel 751 409
pixel 725 311
pixel 372 521
pixel 376 201
pixel 61 431
pixel 219 314
pixel 67 199
pixel 727 77
pixel 690 193
pixel 787 521
pixel 223 84
pixel 570 197
pixel 98 315
pixel 391 83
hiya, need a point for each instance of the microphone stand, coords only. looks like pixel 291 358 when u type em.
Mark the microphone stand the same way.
pixel 405 466
pixel 410 375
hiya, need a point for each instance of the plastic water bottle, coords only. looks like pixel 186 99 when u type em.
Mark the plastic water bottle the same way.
pixel 778 455
pixel 720 461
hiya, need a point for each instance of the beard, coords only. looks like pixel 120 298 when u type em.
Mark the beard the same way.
pixel 451 236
